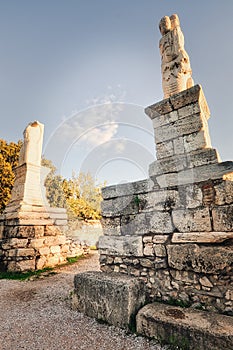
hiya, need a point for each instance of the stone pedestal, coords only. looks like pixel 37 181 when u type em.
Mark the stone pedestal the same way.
pixel 175 229
pixel 32 233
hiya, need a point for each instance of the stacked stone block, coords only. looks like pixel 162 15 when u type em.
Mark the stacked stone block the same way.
pixel 175 229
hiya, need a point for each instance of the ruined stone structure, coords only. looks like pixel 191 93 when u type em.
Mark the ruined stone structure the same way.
pixel 174 230
pixel 32 234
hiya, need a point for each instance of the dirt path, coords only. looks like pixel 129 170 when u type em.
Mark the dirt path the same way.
pixel 38 315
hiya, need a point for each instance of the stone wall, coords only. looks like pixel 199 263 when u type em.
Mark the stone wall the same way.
pixel 26 246
pixel 174 230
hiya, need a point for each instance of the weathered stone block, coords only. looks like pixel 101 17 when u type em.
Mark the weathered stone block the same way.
pixel 37 243
pixel 21 266
pixel 164 149
pixel 196 141
pixel 202 157
pixel 122 246
pixel 159 108
pixel 113 298
pixel 165 119
pixel 148 249
pixel 168 165
pixel 189 110
pixel 25 252
pixel 25 231
pixel 118 206
pixel 191 257
pixel 190 196
pixel 179 128
pixel 189 220
pixel 187 328
pixel 131 188
pixel 18 242
pixel 222 218
pixel 190 96
pixel 160 250
pixel 147 239
pixel 162 200
pixel 160 222
pixel 195 175
pixel 160 238
pixel 111 226
pixel 201 237
pixel 135 224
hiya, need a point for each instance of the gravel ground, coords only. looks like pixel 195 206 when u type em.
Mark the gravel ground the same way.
pixel 37 315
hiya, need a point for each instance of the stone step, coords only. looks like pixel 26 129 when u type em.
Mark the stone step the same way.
pixel 186 328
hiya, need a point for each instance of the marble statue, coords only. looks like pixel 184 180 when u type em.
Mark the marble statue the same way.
pixel 31 149
pixel 175 66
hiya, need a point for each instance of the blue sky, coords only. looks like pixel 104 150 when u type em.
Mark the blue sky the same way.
pixel 60 59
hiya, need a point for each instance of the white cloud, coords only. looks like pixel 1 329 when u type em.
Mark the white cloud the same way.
pixel 99 135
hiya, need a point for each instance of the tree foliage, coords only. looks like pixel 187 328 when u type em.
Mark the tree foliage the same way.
pixel 53 184
pixel 9 156
pixel 83 197
pixel 79 195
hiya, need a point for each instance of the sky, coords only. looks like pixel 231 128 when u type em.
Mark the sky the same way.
pixel 86 69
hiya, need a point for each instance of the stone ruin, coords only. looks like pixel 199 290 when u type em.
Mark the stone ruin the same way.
pixel 32 234
pixel 174 230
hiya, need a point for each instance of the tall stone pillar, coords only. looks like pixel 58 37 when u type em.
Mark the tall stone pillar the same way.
pixel 31 232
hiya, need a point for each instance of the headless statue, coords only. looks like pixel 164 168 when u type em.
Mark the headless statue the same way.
pixel 176 69
pixel 31 149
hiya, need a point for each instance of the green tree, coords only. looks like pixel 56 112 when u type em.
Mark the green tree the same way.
pixel 83 197
pixel 9 156
pixel 54 186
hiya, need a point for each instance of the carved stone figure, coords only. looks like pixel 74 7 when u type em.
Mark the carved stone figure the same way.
pixel 176 69
pixel 32 146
